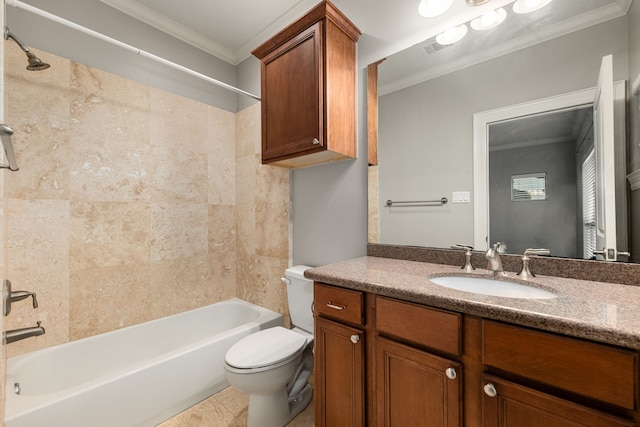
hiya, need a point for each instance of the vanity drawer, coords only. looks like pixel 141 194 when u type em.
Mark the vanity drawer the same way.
pixel 417 324
pixel 339 303
pixel 590 369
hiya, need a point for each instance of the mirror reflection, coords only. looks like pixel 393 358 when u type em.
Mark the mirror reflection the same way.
pixel 541 173
pixel 428 97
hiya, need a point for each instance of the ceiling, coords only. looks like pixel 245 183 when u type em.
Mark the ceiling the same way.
pixel 547 128
pixel 427 59
pixel 230 30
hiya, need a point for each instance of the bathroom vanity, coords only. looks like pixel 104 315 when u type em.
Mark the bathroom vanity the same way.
pixel 395 349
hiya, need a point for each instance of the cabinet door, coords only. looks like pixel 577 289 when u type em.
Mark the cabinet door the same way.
pixel 507 404
pixel 415 388
pixel 292 96
pixel 339 365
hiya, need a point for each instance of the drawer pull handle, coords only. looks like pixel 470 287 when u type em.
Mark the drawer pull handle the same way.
pixel 316 141
pixel 355 339
pixel 335 306
pixel 451 373
pixel 490 390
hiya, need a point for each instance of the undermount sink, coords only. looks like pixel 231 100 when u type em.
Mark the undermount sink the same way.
pixel 498 288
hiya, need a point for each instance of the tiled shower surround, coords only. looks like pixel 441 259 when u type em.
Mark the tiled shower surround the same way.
pixel 133 203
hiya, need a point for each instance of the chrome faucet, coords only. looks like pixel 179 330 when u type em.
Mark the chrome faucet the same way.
pixel 525 273
pixel 22 333
pixel 493 255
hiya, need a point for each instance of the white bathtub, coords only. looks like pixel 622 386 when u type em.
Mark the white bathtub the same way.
pixel 135 376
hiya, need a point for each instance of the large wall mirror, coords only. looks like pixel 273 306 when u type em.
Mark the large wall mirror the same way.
pixel 488 139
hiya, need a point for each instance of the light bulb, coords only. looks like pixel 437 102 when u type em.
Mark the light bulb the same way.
pixel 526 6
pixel 490 19
pixel 432 8
pixel 452 35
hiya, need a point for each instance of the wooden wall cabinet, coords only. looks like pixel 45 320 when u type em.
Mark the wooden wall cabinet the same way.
pixel 308 90
pixel 413 365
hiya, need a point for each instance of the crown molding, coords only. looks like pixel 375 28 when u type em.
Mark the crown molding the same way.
pixel 166 25
pixel 585 20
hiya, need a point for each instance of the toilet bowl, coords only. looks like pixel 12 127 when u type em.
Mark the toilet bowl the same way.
pixel 273 366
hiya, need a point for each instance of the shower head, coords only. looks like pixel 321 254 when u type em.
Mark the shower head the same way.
pixel 35 63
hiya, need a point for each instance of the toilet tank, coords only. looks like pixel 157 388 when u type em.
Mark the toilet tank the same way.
pixel 300 297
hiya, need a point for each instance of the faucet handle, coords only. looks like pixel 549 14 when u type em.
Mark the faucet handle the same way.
pixel 467 264
pixel 501 247
pixel 20 295
pixel 10 296
pixel 526 273
pixel 531 251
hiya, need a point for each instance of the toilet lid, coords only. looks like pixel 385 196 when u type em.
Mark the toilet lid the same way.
pixel 265 348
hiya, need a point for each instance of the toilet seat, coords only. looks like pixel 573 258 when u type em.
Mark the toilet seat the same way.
pixel 265 349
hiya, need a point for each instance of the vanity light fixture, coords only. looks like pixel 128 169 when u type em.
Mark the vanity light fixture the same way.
pixel 526 6
pixel 476 2
pixel 491 19
pixel 452 35
pixel 432 8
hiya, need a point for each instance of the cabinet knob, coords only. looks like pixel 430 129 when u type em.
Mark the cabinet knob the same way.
pixel 490 390
pixel 355 339
pixel 451 373
pixel 316 141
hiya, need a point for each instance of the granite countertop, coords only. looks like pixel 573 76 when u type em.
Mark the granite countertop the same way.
pixel 598 311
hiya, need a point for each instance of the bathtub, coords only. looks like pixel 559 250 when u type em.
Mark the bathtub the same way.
pixel 136 376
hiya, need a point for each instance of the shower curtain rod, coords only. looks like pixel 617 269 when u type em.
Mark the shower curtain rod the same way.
pixel 73 25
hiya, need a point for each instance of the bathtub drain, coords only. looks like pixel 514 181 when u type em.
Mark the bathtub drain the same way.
pixel 16 388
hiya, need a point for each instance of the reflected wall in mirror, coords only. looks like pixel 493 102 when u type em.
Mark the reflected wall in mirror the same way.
pixel 535 179
pixel 428 97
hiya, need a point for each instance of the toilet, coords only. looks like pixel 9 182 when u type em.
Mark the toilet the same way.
pixel 273 366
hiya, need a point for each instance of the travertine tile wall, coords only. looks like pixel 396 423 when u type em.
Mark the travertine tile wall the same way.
pixel 3 225
pixel 262 203
pixel 132 203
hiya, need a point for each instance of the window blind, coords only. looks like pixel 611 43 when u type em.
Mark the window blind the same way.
pixel 589 204
pixel 529 187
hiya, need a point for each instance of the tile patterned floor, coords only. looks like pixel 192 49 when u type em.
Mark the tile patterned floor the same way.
pixel 228 408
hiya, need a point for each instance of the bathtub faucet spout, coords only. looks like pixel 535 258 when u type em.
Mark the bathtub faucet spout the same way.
pixel 20 334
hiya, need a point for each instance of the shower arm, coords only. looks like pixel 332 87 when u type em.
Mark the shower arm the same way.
pixel 5 135
pixel 9 35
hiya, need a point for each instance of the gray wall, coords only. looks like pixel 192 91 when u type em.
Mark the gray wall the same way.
pixel 248 80
pixel 40 33
pixel 330 202
pixel 426 130
pixel 547 223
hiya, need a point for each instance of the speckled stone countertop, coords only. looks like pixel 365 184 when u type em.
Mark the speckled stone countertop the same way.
pixel 598 311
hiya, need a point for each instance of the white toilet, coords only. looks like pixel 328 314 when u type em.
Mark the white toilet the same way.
pixel 273 366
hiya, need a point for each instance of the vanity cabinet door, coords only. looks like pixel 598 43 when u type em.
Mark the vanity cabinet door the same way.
pixel 416 388
pixel 340 374
pixel 506 404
